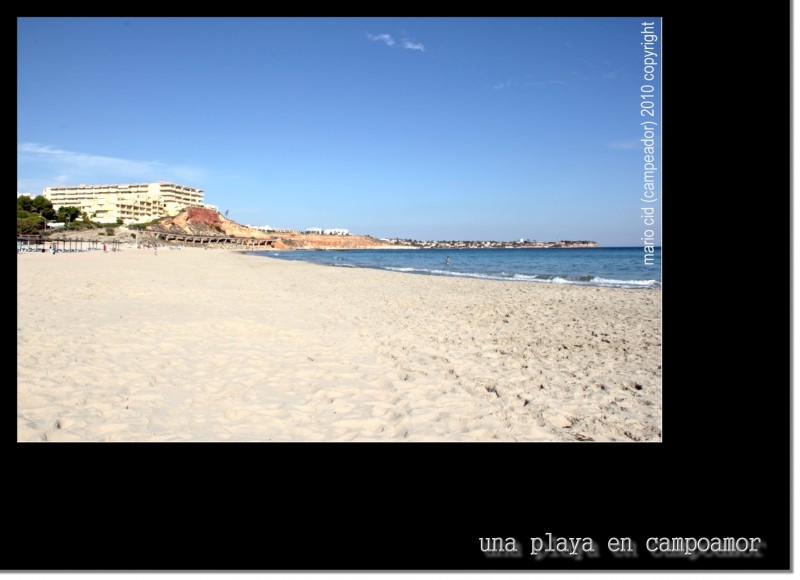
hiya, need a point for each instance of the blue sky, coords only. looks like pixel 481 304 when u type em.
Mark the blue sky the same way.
pixel 425 128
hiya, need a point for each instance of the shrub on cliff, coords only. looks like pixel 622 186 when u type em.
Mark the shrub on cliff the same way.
pixel 29 224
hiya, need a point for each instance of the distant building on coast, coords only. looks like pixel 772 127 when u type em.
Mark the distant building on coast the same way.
pixel 328 232
pixel 132 202
pixel 260 228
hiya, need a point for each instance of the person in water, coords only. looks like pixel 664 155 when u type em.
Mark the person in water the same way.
pixel 447 261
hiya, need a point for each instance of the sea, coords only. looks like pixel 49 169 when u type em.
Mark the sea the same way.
pixel 607 267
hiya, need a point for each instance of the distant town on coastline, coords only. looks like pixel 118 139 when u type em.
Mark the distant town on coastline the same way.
pixel 141 205
pixel 522 243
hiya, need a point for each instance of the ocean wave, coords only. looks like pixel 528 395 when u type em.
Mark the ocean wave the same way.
pixel 638 283
pixel 604 282
pixel 585 280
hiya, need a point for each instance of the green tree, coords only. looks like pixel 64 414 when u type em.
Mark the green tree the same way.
pixel 68 213
pixel 29 218
pixel 25 203
pixel 44 207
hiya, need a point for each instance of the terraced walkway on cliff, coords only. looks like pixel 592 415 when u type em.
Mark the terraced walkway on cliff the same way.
pixel 197 239
pixel 39 243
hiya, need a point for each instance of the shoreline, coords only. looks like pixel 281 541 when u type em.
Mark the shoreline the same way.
pixel 552 280
pixel 194 345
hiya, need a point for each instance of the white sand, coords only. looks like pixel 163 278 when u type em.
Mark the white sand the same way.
pixel 213 345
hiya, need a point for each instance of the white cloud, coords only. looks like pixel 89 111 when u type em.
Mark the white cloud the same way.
pixel 84 161
pixel 40 166
pixel 413 45
pixel 389 41
pixel 383 38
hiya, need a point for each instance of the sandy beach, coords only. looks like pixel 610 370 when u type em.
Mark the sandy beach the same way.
pixel 216 345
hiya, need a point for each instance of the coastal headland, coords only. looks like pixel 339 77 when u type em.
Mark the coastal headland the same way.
pixel 200 225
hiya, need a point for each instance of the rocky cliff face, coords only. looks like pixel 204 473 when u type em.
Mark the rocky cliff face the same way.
pixel 208 222
pixel 322 242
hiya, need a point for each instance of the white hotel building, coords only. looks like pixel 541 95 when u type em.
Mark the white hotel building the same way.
pixel 132 203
